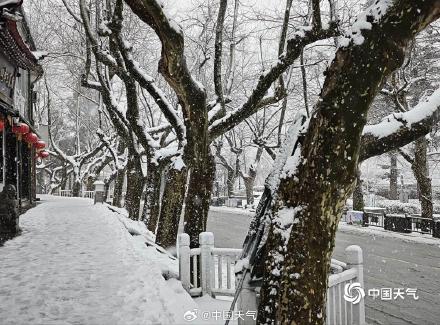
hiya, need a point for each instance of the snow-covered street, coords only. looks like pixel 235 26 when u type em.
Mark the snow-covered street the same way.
pixel 200 162
pixel 75 263
pixel 391 260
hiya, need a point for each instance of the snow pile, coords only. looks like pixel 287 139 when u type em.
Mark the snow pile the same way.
pixel 212 311
pixel 76 263
pixel 364 22
pixel 146 240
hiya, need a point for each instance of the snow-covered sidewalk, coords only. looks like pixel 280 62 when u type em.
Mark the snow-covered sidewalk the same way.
pixel 76 263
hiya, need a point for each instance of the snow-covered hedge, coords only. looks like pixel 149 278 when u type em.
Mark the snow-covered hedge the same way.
pixel 395 206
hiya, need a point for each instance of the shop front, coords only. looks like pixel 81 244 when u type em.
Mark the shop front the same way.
pixel 19 70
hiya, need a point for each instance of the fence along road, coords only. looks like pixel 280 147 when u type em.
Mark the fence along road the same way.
pixel 388 263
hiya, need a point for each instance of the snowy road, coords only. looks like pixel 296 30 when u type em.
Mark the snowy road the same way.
pixel 389 263
pixel 75 263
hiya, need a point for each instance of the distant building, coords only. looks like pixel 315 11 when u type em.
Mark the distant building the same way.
pixel 19 70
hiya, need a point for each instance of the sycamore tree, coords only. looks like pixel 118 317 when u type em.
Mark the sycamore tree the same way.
pixel 205 120
pixel 317 179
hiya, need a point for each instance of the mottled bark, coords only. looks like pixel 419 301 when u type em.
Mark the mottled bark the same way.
pixel 393 195
pixel 64 178
pixel 135 185
pixel 76 187
pixel 421 172
pixel 107 183
pixel 250 176
pixel 118 188
pixel 89 183
pixel 200 183
pixel 230 181
pixel 151 211
pixel 230 170
pixel 310 201
pixel 358 194
pixel 171 209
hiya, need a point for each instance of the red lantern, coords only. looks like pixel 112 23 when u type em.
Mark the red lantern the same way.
pixel 20 128
pixel 40 144
pixel 2 125
pixel 31 138
pixel 43 154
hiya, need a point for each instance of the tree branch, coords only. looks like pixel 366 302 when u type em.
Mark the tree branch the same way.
pixel 400 129
pixel 218 84
pixel 294 47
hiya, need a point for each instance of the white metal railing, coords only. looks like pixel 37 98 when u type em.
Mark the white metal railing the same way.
pixel 214 274
pixel 88 194
pixel 68 193
pixel 65 193
pixel 339 310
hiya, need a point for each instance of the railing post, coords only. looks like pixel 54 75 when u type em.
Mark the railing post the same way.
pixel 206 240
pixel 355 260
pixel 184 261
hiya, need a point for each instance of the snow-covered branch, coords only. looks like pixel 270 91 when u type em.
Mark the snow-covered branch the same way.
pixel 399 129
pixel 293 50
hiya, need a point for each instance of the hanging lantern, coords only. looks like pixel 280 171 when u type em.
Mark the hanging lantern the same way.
pixel 43 154
pixel 30 138
pixel 40 144
pixel 20 128
pixel 2 125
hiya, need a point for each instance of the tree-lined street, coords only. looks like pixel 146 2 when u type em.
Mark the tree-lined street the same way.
pixel 315 109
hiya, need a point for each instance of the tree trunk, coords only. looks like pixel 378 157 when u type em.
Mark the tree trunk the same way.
pixel 76 188
pixel 89 184
pixel 135 187
pixel 171 209
pixel 318 181
pixel 118 188
pixel 393 177
pixel 421 172
pixel 358 195
pixel 200 183
pixel 304 222
pixel 249 182
pixel 107 183
pixel 249 186
pixel 64 178
pixel 151 210
pixel 230 182
pixel 249 179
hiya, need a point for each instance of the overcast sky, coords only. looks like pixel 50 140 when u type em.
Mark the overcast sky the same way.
pixel 174 6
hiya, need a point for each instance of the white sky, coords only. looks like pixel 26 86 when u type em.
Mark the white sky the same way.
pixel 174 6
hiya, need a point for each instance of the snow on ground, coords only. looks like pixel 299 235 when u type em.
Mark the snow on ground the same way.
pixel 76 263
pixel 414 237
pixel 225 209
pixel 213 311
pixel 343 226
